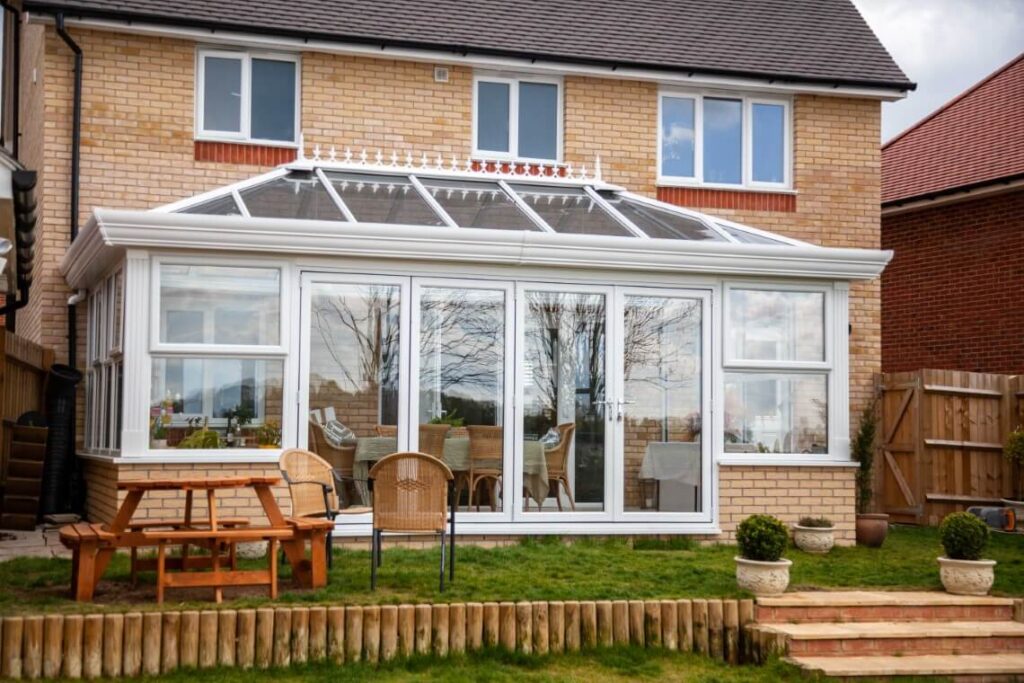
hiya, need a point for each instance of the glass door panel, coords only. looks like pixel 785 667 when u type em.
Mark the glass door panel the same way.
pixel 353 378
pixel 662 403
pixel 461 384
pixel 564 385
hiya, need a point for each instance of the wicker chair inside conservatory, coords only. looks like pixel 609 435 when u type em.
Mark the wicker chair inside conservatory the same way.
pixel 557 460
pixel 486 446
pixel 412 494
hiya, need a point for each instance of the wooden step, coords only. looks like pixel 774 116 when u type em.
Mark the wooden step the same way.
pixel 26 469
pixel 18 504
pixel 20 486
pixel 856 606
pixel 1008 667
pixel 21 522
pixel 900 638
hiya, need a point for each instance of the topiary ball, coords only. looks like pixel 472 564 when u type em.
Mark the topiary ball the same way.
pixel 964 536
pixel 762 538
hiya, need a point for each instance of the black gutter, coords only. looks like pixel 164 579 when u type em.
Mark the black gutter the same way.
pixel 458 49
pixel 76 163
pixel 16 68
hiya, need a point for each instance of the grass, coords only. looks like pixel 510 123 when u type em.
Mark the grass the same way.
pixel 536 569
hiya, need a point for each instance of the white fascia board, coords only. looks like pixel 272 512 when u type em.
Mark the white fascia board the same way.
pixel 110 232
pixel 678 78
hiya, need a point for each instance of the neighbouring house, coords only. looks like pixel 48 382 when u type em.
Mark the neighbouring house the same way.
pixel 953 214
pixel 616 264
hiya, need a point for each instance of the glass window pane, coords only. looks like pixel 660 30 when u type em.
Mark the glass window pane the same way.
pixel 299 195
pixel 768 138
pixel 219 305
pixel 538 121
pixel 222 94
pixel 777 325
pixel 354 366
pixel 383 199
pixel 570 210
pixel 723 141
pixel 492 116
pixel 214 402
pixel 776 413
pixel 677 137
pixel 564 393
pixel 745 237
pixel 221 206
pixel 662 410
pixel 478 205
pixel 661 223
pixel 273 100
pixel 462 385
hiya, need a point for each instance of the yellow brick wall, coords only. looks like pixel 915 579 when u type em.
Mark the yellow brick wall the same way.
pixel 137 149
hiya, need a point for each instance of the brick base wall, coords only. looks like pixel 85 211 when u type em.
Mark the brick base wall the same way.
pixel 952 294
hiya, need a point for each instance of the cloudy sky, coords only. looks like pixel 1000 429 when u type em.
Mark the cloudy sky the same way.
pixel 944 46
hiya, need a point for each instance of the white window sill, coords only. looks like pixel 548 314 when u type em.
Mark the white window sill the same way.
pixel 248 142
pixel 693 185
pixel 782 460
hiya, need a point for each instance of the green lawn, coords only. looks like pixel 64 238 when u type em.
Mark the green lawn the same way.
pixel 536 569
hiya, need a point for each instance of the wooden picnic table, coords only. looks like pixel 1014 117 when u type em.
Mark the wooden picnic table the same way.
pixel 94 544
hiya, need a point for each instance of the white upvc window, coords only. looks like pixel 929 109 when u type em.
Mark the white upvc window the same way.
pixel 778 371
pixel 517 118
pixel 104 372
pixel 247 96
pixel 724 140
pixel 218 345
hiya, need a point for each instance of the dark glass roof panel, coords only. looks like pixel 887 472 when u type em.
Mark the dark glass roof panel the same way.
pixel 570 210
pixel 661 223
pixel 478 205
pixel 297 195
pixel 389 199
pixel 749 237
pixel 221 206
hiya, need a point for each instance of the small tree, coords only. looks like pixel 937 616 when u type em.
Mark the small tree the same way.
pixel 964 536
pixel 1014 453
pixel 863 451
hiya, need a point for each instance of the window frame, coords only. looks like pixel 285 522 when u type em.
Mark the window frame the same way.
pixel 244 133
pixel 747 101
pixel 513 81
pixel 104 358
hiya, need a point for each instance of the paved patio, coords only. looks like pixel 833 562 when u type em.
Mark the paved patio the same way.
pixel 41 542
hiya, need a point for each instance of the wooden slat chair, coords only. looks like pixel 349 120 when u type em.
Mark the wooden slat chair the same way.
pixel 557 459
pixel 412 494
pixel 486 446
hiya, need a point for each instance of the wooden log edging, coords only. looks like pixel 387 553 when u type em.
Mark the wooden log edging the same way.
pixel 128 645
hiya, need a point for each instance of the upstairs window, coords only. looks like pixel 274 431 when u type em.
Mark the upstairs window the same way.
pixel 723 141
pixel 517 118
pixel 247 97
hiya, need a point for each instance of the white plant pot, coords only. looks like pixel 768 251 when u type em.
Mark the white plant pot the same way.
pixel 812 539
pixel 159 443
pixel 967 577
pixel 762 578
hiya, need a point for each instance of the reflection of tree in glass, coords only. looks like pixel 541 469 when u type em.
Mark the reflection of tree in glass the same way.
pixel 663 334
pixel 462 350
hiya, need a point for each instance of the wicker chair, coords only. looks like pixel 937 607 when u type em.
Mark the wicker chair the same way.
pixel 557 458
pixel 411 494
pixel 341 458
pixel 486 446
pixel 432 439
pixel 311 484
pixel 386 430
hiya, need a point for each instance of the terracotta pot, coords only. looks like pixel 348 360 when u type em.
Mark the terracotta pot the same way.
pixel 872 529
pixel 814 539
pixel 762 578
pixel 967 577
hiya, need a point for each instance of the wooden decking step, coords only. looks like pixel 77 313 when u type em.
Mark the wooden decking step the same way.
pixel 880 599
pixel 1001 665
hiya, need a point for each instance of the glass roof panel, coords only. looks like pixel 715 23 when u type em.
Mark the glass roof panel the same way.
pixel 749 237
pixel 221 206
pixel 570 210
pixel 474 204
pixel 389 199
pixel 297 195
pixel 661 223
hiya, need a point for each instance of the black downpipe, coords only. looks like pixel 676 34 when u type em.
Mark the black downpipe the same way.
pixel 76 153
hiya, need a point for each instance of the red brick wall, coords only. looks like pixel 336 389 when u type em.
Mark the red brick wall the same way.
pixel 953 296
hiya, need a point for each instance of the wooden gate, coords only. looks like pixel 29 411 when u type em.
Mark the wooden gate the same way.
pixel 940 442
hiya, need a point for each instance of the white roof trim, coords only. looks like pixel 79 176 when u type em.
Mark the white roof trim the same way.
pixel 102 243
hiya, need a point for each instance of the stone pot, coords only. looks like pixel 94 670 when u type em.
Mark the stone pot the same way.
pixel 967 577
pixel 159 443
pixel 814 539
pixel 872 528
pixel 762 578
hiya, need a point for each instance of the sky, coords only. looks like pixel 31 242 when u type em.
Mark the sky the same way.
pixel 945 46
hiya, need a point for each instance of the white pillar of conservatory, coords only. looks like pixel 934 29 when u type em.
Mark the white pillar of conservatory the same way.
pixel 839 431
pixel 135 420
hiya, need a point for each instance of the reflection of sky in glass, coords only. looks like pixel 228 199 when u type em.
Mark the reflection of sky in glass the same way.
pixel 677 134
pixel 538 121
pixel 768 142
pixel 723 141
pixel 492 116
pixel 776 413
pixel 777 325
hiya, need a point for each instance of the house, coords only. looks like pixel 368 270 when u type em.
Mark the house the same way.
pixel 953 213
pixel 616 263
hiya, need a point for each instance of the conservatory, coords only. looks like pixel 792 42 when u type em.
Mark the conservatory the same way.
pixel 584 358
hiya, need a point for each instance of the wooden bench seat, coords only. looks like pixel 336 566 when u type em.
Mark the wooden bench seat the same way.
pixel 72 535
pixel 227 522
pixel 235 535
pixel 138 540
pixel 84 540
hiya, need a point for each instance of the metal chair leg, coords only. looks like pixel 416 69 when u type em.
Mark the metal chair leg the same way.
pixel 330 549
pixel 380 548
pixel 451 540
pixel 442 559
pixel 373 560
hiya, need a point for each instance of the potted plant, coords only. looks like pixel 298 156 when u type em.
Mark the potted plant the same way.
pixel 872 528
pixel 201 438
pixel 814 535
pixel 962 570
pixel 159 434
pixel 760 568
pixel 268 435
pixel 1013 451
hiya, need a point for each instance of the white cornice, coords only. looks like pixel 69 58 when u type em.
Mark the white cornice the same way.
pixel 681 78
pixel 108 233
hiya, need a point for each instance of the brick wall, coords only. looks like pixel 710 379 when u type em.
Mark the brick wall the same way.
pixel 953 295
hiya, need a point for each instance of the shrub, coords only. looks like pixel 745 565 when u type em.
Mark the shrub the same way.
pixel 816 522
pixel 964 536
pixel 762 538
pixel 1014 454
pixel 863 451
